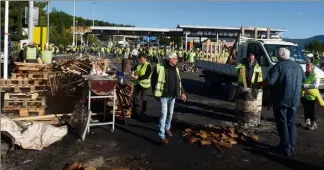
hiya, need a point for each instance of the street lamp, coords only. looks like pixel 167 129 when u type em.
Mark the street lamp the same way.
pixel 73 41
pixel 76 33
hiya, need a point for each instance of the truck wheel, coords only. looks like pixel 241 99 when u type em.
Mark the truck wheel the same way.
pixel 231 89
pixel 208 83
pixel 185 68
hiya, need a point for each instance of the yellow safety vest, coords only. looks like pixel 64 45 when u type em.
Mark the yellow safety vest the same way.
pixel 31 53
pixel 47 57
pixel 161 80
pixel 257 68
pixel 310 80
pixel 140 71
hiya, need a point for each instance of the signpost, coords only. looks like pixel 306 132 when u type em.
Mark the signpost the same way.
pixel 35 15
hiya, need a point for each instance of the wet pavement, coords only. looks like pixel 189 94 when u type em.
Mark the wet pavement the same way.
pixel 137 143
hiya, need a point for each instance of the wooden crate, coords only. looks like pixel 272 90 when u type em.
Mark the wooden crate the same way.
pixel 26 111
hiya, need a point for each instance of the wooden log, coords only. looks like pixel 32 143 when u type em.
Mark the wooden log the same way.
pixel 41 117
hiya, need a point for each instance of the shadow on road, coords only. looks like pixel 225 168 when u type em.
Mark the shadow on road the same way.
pixel 199 88
pixel 125 129
pixel 210 114
pixel 286 161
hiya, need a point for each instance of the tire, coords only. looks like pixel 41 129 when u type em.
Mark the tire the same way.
pixel 185 68
pixel 230 92
pixel 195 69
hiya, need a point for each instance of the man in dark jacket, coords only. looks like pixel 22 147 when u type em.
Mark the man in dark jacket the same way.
pixel 166 83
pixel 285 80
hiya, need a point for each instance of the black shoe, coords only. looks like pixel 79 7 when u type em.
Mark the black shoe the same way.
pixel 287 153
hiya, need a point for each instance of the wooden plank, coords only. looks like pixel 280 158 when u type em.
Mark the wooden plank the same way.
pixel 28 69
pixel 42 117
pixel 23 96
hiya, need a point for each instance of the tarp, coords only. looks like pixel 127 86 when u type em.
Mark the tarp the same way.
pixel 34 136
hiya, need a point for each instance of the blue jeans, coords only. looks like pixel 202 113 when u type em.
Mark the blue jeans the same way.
pixel 285 120
pixel 167 106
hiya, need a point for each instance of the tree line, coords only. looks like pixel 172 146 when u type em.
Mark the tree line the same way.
pixel 60 22
pixel 315 46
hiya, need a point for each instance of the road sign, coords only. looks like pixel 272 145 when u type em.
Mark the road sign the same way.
pixel 35 15
pixel 152 38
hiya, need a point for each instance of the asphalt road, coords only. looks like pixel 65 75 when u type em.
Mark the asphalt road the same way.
pixel 137 144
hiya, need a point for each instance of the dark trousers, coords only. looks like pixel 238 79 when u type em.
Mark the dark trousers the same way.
pixel 285 121
pixel 134 59
pixel 139 100
pixel 309 109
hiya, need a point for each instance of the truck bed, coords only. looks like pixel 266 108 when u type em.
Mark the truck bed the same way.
pixel 226 69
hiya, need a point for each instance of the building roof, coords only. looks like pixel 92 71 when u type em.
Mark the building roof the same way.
pixel 229 28
pixel 135 29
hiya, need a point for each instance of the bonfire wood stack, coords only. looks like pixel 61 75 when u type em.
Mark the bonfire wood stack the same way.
pixel 25 90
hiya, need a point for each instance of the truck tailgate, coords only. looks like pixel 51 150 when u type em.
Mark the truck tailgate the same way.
pixel 216 67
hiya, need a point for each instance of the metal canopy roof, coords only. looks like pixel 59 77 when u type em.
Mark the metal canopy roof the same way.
pixel 136 31
pixel 228 28
pixel 193 31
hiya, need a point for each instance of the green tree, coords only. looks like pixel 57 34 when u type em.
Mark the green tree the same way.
pixel 315 46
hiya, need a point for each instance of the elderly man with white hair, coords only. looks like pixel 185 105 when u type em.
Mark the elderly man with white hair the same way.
pixel 166 83
pixel 285 80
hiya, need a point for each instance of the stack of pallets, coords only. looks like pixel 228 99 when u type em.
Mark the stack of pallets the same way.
pixel 25 90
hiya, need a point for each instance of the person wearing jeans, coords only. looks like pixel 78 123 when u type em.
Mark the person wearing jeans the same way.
pixel 166 84
pixel 285 80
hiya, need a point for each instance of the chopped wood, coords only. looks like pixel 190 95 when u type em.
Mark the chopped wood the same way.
pixel 224 136
pixel 205 142
pixel 216 144
pixel 232 142
pixel 233 135
pixel 193 139
pixel 255 138
pixel 89 168
pixel 215 135
pixel 203 135
pixel 188 130
pixel 232 130
pixel 224 144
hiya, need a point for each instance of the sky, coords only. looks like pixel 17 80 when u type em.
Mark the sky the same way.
pixel 301 19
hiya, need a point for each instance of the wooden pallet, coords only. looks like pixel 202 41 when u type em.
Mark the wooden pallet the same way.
pixel 23 89
pixel 23 82
pixel 24 103
pixel 21 96
pixel 33 75
pixel 26 111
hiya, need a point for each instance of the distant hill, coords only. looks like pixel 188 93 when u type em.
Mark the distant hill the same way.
pixel 302 42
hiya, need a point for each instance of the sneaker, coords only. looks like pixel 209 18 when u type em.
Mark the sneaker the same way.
pixel 313 126
pixel 164 141
pixel 292 150
pixel 307 123
pixel 168 132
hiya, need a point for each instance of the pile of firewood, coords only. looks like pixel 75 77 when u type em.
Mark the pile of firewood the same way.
pixel 124 100
pixel 220 138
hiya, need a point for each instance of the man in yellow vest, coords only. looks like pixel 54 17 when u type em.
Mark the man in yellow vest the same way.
pixel 141 73
pixel 166 83
pixel 31 54
pixel 252 69
pixel 47 56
